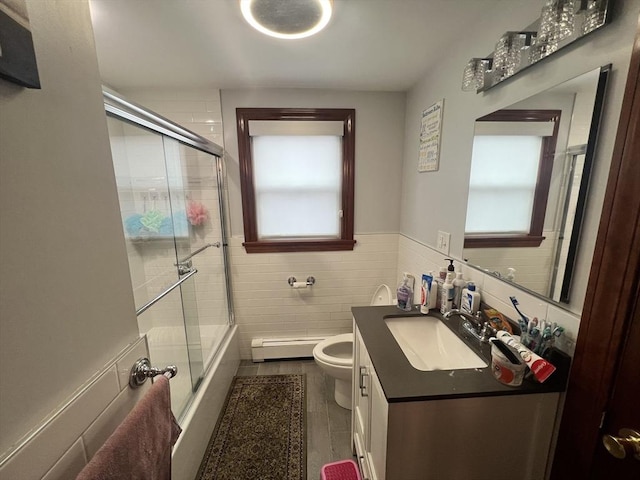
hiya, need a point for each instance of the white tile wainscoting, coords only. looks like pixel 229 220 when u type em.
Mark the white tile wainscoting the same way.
pixel 416 258
pixel 266 306
pixel 61 446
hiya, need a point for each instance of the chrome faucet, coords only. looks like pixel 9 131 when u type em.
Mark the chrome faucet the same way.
pixel 476 320
pixel 482 331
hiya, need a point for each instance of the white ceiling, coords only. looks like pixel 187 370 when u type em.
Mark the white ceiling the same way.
pixel 368 44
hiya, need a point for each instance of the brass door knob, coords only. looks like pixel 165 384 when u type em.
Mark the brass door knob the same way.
pixel 628 441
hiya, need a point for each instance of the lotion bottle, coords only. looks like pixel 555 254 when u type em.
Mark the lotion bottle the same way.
pixel 470 301
pixel 458 286
pixel 442 276
pixel 446 300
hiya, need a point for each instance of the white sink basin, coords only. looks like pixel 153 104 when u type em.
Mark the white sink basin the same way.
pixel 428 344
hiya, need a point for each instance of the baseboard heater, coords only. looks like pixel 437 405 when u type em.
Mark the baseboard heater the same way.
pixel 274 348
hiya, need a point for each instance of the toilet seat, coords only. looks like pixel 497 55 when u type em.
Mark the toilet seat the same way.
pixel 336 350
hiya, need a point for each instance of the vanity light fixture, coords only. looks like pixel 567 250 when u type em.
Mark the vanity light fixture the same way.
pixel 287 19
pixel 474 73
pixel 508 53
pixel 558 19
pixel 561 23
pixel 557 22
pixel 595 15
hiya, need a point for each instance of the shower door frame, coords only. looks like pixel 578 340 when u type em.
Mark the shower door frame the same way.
pixel 126 110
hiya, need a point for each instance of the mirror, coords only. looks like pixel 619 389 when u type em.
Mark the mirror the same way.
pixel 523 219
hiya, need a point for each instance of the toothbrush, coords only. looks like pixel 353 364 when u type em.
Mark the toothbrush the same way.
pixel 547 342
pixel 515 303
pixel 534 335
pixel 523 327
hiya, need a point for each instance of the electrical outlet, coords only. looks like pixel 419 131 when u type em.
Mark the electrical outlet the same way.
pixel 443 242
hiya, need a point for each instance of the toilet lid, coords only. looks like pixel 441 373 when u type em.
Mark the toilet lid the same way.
pixel 382 296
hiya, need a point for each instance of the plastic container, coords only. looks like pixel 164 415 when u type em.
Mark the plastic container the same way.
pixel 458 286
pixel 505 371
pixel 433 293
pixel 442 274
pixel 426 290
pixel 446 295
pixel 404 294
pixel 341 470
pixel 470 299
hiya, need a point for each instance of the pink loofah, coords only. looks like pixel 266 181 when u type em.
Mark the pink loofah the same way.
pixel 196 213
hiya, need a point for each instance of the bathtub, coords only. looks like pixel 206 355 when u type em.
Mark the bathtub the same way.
pixel 201 415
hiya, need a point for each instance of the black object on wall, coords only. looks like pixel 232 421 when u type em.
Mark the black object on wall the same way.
pixel 17 55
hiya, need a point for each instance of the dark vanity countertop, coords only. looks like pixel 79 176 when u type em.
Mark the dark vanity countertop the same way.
pixel 401 382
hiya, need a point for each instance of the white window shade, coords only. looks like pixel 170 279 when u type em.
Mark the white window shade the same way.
pixel 298 185
pixel 504 172
pixel 295 127
pixel 535 129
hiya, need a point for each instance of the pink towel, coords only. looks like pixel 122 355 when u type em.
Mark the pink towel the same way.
pixel 140 448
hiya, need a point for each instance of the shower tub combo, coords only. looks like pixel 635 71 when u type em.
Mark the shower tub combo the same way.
pixel 172 200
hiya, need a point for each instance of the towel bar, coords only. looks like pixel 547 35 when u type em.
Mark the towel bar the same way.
pixel 142 370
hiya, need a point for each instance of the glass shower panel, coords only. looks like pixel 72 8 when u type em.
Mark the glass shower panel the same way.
pixel 139 160
pixel 194 184
pixel 139 164
pixel 168 345
pixel 177 182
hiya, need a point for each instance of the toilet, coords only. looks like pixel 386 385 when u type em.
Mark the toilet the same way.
pixel 334 355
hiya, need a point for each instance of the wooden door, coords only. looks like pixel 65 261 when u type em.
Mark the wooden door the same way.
pixel 604 385
pixel 623 411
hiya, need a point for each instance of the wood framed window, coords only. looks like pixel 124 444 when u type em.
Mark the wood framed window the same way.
pixel 508 189
pixel 297 169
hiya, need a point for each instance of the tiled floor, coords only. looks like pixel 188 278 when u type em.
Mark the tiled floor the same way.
pixel 328 425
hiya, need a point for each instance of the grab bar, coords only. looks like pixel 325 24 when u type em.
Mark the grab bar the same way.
pixel 193 254
pixel 168 290
pixel 142 370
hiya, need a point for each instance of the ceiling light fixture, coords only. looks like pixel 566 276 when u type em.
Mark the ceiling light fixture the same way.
pixel 287 19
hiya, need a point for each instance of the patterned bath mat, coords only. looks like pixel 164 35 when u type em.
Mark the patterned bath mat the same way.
pixel 261 433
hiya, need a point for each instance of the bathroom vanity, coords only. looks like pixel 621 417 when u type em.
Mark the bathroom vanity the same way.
pixel 457 423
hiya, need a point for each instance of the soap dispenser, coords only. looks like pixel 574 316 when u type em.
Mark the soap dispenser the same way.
pixel 447 292
pixel 450 268
pixel 404 294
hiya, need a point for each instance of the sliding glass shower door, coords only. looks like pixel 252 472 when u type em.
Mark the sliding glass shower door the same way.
pixel 171 214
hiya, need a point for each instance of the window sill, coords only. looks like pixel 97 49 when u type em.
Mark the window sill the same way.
pixel 274 246
pixel 498 241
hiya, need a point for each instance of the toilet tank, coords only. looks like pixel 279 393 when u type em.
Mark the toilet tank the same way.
pixel 382 296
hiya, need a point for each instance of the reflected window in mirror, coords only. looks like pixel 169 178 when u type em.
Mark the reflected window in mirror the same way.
pixel 513 153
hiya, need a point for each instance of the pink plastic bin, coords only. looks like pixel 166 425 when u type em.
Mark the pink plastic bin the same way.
pixel 342 470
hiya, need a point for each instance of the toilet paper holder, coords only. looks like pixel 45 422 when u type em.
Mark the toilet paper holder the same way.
pixel 293 283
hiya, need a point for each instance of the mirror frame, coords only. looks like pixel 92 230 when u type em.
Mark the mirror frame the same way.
pixel 592 141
